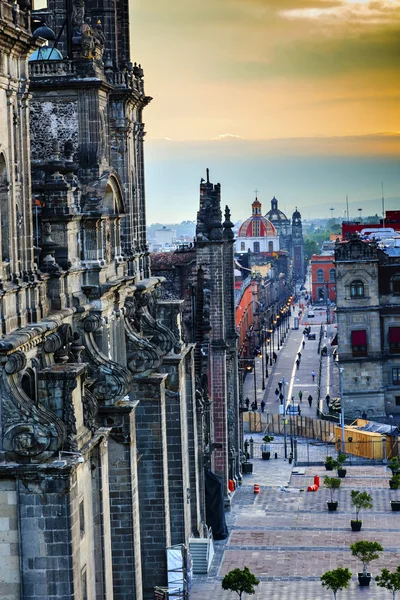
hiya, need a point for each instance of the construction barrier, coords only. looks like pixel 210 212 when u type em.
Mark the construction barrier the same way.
pixel 317 480
pixel 231 485
pixel 312 488
pixel 256 488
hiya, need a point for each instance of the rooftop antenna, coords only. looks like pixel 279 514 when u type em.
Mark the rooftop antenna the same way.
pixel 208 175
pixel 347 207
pixel 359 212
pixel 332 209
pixel 383 208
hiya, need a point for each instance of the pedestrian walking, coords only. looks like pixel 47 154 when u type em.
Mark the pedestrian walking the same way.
pixel 301 396
pixel 299 355
pixel 262 405
pixel 253 406
pixel 327 400
pixel 274 356
pixel 304 343
pixel 276 394
pixel 280 385
pixel 297 363
pixel 309 400
pixel 247 403
pixel 313 375
pixel 281 397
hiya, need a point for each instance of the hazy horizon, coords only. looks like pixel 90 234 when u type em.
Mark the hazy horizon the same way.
pixel 297 98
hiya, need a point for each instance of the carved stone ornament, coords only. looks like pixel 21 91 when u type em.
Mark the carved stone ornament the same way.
pixel 160 335
pixel 89 410
pixel 31 434
pixel 112 381
pixel 142 354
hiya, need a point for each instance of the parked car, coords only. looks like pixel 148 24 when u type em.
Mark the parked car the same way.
pixel 293 409
pixel 311 336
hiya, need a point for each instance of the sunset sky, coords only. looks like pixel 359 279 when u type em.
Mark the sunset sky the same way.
pixel 297 98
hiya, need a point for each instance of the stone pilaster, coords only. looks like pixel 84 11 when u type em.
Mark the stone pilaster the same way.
pixel 151 438
pixel 124 503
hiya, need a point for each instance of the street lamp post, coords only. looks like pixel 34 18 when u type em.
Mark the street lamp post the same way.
pixel 278 325
pixel 270 331
pixel 262 359
pixel 284 415
pixel 341 406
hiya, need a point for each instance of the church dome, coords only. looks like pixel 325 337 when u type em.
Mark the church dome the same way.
pixel 275 214
pixel 256 225
pixel 296 215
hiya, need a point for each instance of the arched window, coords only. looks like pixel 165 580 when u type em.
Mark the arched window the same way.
pixel 320 276
pixel 256 247
pixel 28 384
pixel 395 284
pixel 270 246
pixel 242 246
pixel 357 289
pixel 332 275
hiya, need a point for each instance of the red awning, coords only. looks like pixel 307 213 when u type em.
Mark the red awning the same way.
pixel 394 335
pixel 359 338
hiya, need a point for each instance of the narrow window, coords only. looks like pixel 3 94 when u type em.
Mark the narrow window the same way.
pixel 82 517
pixel 357 289
pixel 359 343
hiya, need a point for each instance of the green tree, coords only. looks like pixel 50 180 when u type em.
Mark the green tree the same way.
pixel 360 500
pixel 389 580
pixel 336 580
pixel 240 581
pixel 366 551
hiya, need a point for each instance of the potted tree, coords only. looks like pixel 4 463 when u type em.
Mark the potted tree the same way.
pixel 247 467
pixel 366 551
pixel 266 447
pixel 332 484
pixel 389 580
pixel 336 580
pixel 241 581
pixel 394 466
pixel 330 463
pixel 341 459
pixel 360 500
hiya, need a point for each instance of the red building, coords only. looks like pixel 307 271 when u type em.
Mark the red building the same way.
pixel 323 277
pixel 392 220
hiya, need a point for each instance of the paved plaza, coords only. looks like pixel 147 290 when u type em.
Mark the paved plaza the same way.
pixel 287 537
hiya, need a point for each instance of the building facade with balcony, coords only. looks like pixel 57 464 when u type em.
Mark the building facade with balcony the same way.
pixel 368 318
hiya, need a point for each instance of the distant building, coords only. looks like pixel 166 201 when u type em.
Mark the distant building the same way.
pixel 323 277
pixel 391 221
pixel 164 236
pixel 290 238
pixel 257 234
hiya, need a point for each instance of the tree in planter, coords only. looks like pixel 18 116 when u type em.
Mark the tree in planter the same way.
pixel 330 463
pixel 265 447
pixel 360 501
pixel 336 580
pixel 341 459
pixel 394 466
pixel 240 581
pixel 389 580
pixel 366 551
pixel 332 484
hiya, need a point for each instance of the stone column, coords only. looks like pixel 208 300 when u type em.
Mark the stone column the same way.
pixel 151 438
pixel 124 503
pixel 177 441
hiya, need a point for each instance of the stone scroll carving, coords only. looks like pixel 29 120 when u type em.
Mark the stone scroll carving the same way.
pixel 159 335
pixel 31 434
pixel 142 354
pixel 112 381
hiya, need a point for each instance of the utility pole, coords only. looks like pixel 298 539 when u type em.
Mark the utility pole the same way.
pixel 284 415
pixel 341 405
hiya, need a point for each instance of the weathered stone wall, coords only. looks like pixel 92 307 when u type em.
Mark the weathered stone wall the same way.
pixel 9 546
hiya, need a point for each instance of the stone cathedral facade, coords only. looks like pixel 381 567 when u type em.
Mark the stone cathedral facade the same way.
pixel 102 430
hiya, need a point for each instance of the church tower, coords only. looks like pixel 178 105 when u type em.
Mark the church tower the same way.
pixel 297 249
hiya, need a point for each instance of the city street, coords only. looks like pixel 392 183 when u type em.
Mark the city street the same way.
pixel 297 379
